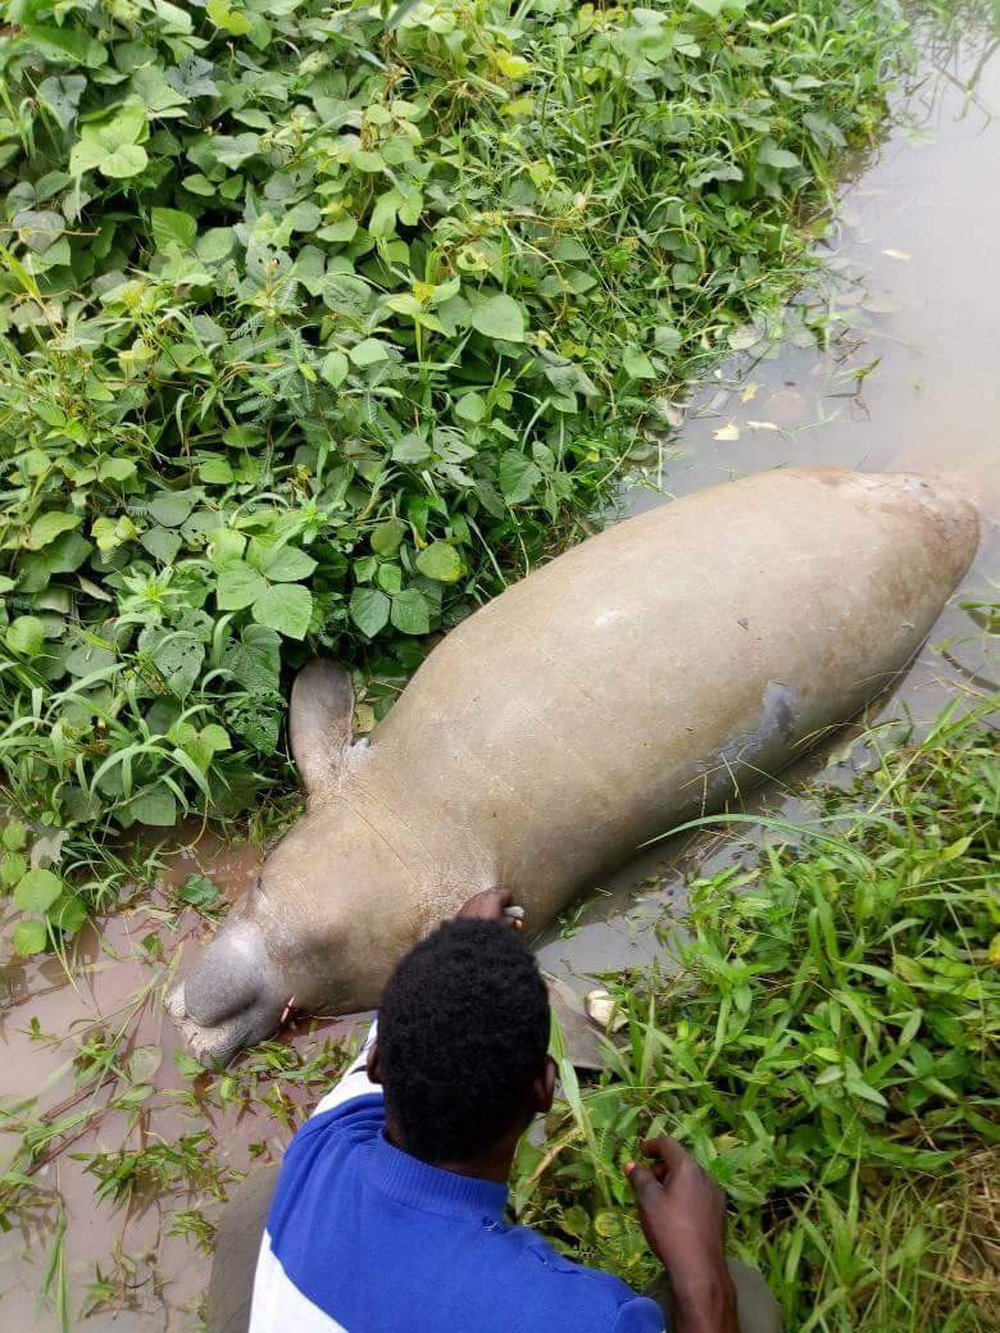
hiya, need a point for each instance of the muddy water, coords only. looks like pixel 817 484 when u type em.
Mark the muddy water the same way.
pixel 916 248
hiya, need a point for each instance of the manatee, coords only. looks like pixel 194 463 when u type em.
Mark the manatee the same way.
pixel 652 673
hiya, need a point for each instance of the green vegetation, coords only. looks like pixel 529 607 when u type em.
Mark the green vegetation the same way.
pixel 317 322
pixel 829 1051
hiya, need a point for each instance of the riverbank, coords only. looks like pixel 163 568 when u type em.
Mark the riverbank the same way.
pixel 829 1048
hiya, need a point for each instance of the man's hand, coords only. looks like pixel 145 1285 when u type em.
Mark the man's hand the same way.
pixel 489 906
pixel 683 1213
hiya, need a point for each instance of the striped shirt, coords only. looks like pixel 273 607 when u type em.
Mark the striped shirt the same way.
pixel 363 1238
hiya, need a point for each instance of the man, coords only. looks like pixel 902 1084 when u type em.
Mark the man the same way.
pixel 388 1215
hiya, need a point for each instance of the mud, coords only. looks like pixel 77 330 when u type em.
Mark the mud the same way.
pixel 917 253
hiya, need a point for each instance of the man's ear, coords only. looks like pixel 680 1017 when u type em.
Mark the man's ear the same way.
pixel 371 1064
pixel 319 723
pixel 544 1087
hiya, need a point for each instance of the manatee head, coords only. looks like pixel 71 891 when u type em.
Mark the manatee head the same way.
pixel 306 934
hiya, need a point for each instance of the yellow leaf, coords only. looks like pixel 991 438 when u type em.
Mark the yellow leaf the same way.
pixel 730 432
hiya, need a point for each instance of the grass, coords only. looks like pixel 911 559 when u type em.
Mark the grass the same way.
pixel 319 326
pixel 829 1050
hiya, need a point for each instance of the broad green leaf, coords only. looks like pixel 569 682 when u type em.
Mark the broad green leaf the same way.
pixel 66 554
pixel 177 656
pixel 39 230
pixel 234 150
pixel 215 244
pixel 68 913
pixel 239 585
pixel 15 835
pixel 68 45
pixel 227 17
pixel 471 407
pixel 518 476
pixel 367 161
pixel 440 561
pixel 37 890
pixel 412 448
pixel 369 610
pixel 386 538
pixel 770 155
pixel 126 161
pixel 499 317
pixel 50 526
pixel 410 612
pixel 61 94
pixel 25 635
pixel 192 76
pixel 216 472
pixel 383 217
pixel 156 808
pixel 88 655
pixel 334 368
pixel 112 148
pixel 12 867
pixel 216 738
pixel 287 608
pixel 280 564
pixel 162 543
pixel 667 339
pixel 170 226
pixel 225 546
pixel 30 937
pixel 303 217
pixel 255 662
pixel 637 364
pixel 171 508
pixel 389 577
pixel 369 352
pixel 116 469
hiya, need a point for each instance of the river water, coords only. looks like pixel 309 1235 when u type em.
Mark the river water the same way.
pixel 911 385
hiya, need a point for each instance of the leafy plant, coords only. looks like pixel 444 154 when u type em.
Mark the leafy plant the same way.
pixel 829 1050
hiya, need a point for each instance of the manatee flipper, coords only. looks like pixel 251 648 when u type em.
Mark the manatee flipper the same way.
pixel 319 723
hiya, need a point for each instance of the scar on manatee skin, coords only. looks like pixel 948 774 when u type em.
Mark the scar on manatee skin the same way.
pixel 777 723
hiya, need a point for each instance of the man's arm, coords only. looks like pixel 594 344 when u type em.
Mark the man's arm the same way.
pixel 683 1213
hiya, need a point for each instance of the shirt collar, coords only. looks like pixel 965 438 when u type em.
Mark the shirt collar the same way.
pixel 419 1185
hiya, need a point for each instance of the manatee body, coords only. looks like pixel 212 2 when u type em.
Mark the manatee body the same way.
pixel 650 674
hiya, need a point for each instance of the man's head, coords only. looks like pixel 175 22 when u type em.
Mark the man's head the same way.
pixel 462 1043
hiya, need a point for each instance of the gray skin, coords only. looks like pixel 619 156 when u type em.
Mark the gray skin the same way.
pixel 650 674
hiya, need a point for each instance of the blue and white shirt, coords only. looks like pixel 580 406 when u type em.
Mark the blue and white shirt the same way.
pixel 363 1238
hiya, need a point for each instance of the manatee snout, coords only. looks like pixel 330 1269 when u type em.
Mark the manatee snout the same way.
pixel 232 997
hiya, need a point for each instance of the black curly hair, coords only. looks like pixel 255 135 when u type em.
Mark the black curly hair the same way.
pixel 463 1032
